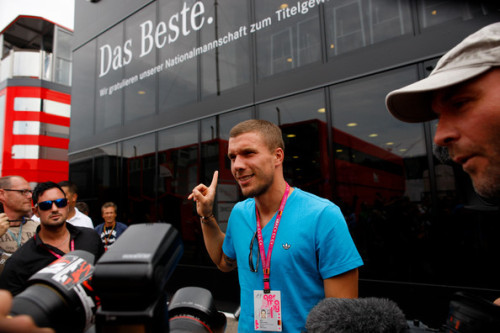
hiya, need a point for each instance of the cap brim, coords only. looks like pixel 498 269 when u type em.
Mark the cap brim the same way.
pixel 412 103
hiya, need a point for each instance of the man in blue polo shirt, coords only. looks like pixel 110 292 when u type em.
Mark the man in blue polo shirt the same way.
pixel 291 248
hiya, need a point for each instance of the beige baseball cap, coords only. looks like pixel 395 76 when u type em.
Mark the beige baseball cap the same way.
pixel 475 55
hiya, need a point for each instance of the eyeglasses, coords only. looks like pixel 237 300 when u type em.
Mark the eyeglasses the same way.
pixel 250 260
pixel 23 192
pixel 46 205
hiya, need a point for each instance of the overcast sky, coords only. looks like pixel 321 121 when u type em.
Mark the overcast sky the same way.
pixel 61 12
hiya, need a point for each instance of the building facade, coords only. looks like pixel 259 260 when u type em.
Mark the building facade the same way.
pixel 157 85
pixel 35 100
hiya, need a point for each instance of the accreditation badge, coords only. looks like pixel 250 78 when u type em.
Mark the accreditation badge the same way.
pixel 267 311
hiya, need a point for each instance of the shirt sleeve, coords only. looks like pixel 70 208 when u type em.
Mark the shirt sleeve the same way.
pixel 336 250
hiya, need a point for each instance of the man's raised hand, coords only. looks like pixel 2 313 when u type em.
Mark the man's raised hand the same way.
pixel 205 196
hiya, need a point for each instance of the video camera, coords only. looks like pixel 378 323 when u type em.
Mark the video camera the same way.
pixel 124 292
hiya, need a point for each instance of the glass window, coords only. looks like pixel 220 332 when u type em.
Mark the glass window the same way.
pixel 81 173
pixel 228 65
pixel 63 71
pixel 288 36
pixel 21 127
pixel 62 55
pixel 302 119
pixel 108 184
pixel 379 176
pixel 178 82
pixel 140 95
pixel 353 24
pixel 50 153
pixel 434 12
pixel 178 175
pixel 109 88
pixel 214 157
pixel 25 152
pixel 27 104
pixel 56 108
pixel 83 102
pixel 139 164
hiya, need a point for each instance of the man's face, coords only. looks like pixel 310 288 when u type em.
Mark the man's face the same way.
pixel 252 164
pixel 109 215
pixel 70 196
pixel 55 216
pixel 469 127
pixel 16 201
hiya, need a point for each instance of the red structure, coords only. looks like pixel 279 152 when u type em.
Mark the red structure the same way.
pixel 35 100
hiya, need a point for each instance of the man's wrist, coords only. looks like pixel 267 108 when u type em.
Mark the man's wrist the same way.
pixel 205 219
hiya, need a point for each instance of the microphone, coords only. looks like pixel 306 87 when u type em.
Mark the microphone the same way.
pixel 356 315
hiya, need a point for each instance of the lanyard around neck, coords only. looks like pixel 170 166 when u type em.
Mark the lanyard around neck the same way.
pixel 71 247
pixel 266 261
pixel 20 235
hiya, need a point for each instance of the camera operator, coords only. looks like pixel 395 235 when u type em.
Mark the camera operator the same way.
pixel 54 237
pixel 463 93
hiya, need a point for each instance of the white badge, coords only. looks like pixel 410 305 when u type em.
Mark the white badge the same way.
pixel 267 311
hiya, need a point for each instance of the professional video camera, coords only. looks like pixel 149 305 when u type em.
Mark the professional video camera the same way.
pixel 124 292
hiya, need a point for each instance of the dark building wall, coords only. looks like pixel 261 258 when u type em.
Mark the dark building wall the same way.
pixel 322 76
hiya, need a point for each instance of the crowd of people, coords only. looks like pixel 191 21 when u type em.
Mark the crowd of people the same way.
pixel 41 225
pixel 290 247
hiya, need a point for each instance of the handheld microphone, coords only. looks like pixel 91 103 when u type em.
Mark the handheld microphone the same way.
pixel 356 315
pixel 59 295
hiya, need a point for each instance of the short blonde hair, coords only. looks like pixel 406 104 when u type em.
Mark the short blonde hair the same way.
pixel 270 132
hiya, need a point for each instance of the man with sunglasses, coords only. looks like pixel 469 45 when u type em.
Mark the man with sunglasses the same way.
pixel 54 237
pixel 291 248
pixel 15 225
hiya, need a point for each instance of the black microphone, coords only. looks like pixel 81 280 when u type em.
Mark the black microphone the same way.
pixel 356 315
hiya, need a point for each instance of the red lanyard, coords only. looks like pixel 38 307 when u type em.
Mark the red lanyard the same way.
pixel 72 248
pixel 266 261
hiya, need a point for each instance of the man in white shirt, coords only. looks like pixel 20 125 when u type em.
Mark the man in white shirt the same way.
pixel 75 217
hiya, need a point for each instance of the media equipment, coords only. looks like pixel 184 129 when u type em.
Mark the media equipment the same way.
pixel 356 315
pixel 59 295
pixel 192 309
pixel 470 313
pixel 129 280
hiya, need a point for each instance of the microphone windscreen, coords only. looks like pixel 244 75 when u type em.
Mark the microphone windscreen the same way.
pixel 356 315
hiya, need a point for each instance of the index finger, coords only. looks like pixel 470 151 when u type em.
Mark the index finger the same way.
pixel 213 184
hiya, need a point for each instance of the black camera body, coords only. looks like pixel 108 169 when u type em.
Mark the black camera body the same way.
pixel 470 313
pixel 124 291
pixel 130 278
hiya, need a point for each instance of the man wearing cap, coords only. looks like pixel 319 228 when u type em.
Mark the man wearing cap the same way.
pixel 463 92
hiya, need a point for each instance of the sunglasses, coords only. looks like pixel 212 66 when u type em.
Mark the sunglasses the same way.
pixel 46 205
pixel 253 268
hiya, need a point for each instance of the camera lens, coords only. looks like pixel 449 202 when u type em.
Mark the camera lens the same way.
pixel 45 305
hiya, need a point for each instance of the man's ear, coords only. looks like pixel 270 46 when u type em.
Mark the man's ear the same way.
pixel 279 154
pixel 35 211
